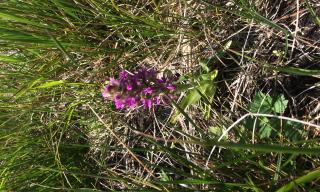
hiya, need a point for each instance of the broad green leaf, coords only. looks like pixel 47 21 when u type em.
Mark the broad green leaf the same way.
pixel 264 103
pixel 191 98
pixel 208 89
pixel 205 85
pixel 265 128
pixel 280 104
pixel 261 103
pixel 294 131
pixel 183 87
pixel 209 76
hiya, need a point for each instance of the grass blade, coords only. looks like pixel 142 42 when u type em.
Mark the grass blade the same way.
pixel 295 71
pixel 300 181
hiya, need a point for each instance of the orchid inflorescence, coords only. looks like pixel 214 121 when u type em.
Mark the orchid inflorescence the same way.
pixel 142 88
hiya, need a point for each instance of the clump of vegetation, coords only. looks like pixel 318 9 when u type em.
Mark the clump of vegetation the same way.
pixel 230 91
pixel 140 88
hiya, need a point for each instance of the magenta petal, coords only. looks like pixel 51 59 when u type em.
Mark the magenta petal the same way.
pixel 119 102
pixel 147 90
pixel 105 94
pixel 160 81
pixel 131 102
pixel 157 100
pixel 123 74
pixel 113 82
pixel 147 103
pixel 129 87
pixel 139 82
pixel 108 88
pixel 170 86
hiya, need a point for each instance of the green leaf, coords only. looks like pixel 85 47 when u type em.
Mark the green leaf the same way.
pixel 210 76
pixel 262 103
pixel 191 98
pixel 216 131
pixel 205 85
pixel 280 104
pixel 294 131
pixel 164 176
pixel 204 66
pixel 208 89
pixel 266 128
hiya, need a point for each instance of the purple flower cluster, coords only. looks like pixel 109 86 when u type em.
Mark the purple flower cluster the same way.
pixel 140 88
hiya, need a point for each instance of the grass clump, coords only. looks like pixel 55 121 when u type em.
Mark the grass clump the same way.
pixel 245 115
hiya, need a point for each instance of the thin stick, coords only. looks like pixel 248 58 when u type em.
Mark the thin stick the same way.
pixel 296 29
pixel 285 118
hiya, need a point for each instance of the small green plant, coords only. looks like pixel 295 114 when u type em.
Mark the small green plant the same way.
pixel 202 87
pixel 272 127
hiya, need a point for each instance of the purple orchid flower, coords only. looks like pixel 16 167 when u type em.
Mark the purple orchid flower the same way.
pixel 139 88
